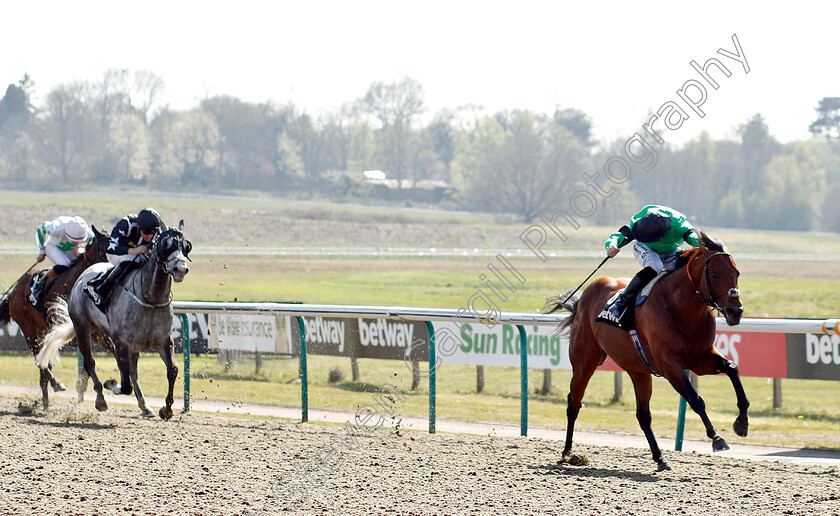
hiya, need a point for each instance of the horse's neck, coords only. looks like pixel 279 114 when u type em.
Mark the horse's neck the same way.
pixel 154 282
pixel 78 268
pixel 680 288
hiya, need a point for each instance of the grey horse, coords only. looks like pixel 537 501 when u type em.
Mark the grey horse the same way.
pixel 138 317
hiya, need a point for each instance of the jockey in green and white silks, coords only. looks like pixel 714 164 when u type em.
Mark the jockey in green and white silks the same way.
pixel 657 233
pixel 62 240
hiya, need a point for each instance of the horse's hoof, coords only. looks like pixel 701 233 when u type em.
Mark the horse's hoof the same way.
pixel 165 413
pixel 111 385
pixel 148 414
pixel 101 406
pixel 663 466
pixel 58 387
pixel 741 429
pixel 719 445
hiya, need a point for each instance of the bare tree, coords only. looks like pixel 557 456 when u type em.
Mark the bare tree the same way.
pixel 396 106
pixel 67 129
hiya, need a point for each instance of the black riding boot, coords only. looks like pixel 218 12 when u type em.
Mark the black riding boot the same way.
pixel 642 278
pixel 99 290
pixel 37 287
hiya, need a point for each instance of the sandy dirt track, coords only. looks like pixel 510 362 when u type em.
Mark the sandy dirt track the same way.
pixel 73 460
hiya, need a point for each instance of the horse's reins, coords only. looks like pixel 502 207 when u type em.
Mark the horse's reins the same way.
pixel 164 266
pixel 713 302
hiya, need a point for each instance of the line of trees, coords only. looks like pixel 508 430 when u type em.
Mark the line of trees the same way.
pixel 117 133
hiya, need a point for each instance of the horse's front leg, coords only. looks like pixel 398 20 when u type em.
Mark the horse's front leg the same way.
pixel 56 384
pixel 167 353
pixel 741 425
pixel 44 382
pixel 141 400
pixel 124 365
pixel 715 363
pixel 679 380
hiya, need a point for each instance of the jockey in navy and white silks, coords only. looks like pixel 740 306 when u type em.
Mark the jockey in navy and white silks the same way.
pixel 657 233
pixel 131 236
pixel 129 242
pixel 62 240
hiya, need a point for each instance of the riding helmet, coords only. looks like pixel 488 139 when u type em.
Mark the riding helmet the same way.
pixel 76 229
pixel 652 227
pixel 148 220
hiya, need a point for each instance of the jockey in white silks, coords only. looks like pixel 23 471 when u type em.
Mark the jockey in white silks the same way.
pixel 62 240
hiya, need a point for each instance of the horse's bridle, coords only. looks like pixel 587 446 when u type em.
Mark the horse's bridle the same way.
pixel 713 301
pixel 164 263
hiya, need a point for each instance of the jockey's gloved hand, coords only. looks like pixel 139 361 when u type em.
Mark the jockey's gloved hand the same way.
pixel 612 251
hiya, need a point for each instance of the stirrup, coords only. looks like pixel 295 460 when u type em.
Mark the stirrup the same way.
pixel 619 308
pixel 35 290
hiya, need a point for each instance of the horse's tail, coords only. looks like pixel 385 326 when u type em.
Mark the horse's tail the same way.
pixel 5 316
pixel 563 302
pixel 61 332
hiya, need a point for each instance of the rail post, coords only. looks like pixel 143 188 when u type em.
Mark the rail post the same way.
pixel 523 364
pixel 304 382
pixel 681 420
pixel 185 342
pixel 432 377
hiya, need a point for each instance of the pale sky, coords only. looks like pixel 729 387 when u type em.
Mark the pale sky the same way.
pixel 616 61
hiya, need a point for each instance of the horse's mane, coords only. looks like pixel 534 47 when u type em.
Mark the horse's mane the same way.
pixel 709 242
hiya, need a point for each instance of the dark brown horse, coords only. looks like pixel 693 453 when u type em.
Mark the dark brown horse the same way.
pixel 677 331
pixel 33 322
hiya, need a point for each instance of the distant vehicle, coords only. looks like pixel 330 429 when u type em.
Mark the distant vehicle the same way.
pixel 374 174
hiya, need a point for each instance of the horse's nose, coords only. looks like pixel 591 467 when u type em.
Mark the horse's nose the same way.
pixel 179 271
pixel 733 315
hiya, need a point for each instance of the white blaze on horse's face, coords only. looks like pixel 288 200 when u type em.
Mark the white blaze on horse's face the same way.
pixel 174 263
pixel 176 266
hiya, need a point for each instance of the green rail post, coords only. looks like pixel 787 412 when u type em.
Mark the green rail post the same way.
pixel 523 359
pixel 432 377
pixel 681 421
pixel 80 362
pixel 185 341
pixel 304 383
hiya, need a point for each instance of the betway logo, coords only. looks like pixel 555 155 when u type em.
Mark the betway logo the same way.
pixel 323 331
pixel 822 349
pixel 382 332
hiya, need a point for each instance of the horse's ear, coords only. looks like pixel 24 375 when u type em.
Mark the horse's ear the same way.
pixel 181 225
pixel 95 231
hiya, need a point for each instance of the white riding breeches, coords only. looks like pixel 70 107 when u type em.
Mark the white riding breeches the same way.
pixel 58 256
pixel 647 257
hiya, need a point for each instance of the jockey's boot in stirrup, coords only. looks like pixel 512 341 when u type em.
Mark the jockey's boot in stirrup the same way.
pixel 37 288
pixel 99 291
pixel 636 284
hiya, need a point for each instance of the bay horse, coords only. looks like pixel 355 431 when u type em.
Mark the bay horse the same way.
pixel 33 322
pixel 676 325
pixel 137 317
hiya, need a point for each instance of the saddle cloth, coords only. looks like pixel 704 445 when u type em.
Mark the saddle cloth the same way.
pixel 627 322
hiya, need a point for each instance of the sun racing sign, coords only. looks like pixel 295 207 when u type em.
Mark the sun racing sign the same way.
pixel 500 346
